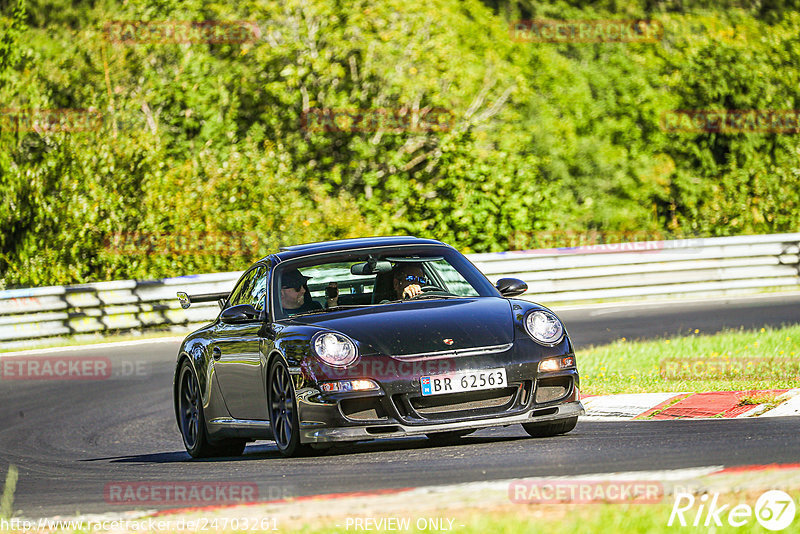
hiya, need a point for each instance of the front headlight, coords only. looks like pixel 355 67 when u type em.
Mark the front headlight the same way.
pixel 335 349
pixel 544 327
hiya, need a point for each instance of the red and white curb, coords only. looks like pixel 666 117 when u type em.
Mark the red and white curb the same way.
pixel 682 405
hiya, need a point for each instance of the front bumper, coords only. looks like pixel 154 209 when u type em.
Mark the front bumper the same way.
pixel 313 434
pixel 398 409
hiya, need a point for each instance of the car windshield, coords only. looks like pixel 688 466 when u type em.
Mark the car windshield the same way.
pixel 374 279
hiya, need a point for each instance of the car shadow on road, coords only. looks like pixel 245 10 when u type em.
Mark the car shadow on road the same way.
pixel 267 450
pixel 154 458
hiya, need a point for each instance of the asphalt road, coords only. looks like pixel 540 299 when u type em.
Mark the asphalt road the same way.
pixel 72 439
pixel 598 324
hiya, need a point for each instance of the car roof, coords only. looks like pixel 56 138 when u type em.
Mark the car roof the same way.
pixel 297 251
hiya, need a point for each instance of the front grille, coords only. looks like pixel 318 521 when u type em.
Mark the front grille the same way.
pixel 455 353
pixel 552 389
pixel 416 408
pixel 456 402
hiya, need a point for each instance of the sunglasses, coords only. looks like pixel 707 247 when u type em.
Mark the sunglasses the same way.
pixel 418 279
pixel 298 288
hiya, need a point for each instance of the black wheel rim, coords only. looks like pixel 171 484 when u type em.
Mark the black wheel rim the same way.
pixel 189 408
pixel 282 406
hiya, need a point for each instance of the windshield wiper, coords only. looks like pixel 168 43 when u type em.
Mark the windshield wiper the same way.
pixel 424 296
pixel 438 297
pixel 332 308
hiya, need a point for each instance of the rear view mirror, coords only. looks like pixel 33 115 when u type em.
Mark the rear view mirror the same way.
pixel 370 267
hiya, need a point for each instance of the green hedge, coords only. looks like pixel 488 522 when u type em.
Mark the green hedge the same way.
pixel 198 161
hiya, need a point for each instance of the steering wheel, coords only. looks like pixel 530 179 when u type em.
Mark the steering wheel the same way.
pixel 426 289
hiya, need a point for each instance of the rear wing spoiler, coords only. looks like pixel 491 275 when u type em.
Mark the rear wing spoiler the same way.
pixel 187 300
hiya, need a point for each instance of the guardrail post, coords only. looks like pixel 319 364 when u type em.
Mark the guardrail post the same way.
pixel 791 247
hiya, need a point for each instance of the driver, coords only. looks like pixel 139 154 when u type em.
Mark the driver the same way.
pixel 408 279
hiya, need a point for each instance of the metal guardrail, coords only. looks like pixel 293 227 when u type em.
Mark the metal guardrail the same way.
pixel 594 272
pixel 122 305
pixel 655 268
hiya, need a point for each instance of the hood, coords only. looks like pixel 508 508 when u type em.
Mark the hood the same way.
pixel 413 327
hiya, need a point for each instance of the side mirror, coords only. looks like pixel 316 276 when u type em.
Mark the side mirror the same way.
pixel 241 313
pixel 511 287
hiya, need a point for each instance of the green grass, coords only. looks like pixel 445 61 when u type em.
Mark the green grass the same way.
pixel 581 519
pixel 676 400
pixel 7 499
pixel 753 399
pixel 768 358
pixel 601 518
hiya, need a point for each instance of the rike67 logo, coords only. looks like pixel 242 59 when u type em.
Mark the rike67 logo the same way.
pixel 774 510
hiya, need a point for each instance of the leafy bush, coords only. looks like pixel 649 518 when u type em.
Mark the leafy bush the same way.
pixel 199 159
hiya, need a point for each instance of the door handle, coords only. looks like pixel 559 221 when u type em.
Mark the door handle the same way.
pixel 217 353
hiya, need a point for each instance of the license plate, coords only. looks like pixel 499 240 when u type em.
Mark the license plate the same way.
pixel 463 381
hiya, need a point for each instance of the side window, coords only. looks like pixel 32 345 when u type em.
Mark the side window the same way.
pixel 452 279
pixel 258 290
pixel 241 293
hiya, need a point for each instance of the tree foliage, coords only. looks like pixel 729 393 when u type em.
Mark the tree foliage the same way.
pixel 201 160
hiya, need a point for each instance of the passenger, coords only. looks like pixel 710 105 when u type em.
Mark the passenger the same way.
pixel 294 294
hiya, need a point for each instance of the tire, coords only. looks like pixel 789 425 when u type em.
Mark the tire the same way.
pixel 553 428
pixel 451 436
pixel 283 418
pixel 192 421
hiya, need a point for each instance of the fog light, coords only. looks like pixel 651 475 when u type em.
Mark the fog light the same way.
pixel 556 364
pixel 361 384
pixel 549 365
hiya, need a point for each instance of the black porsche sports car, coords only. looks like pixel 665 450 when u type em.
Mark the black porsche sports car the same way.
pixel 368 338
